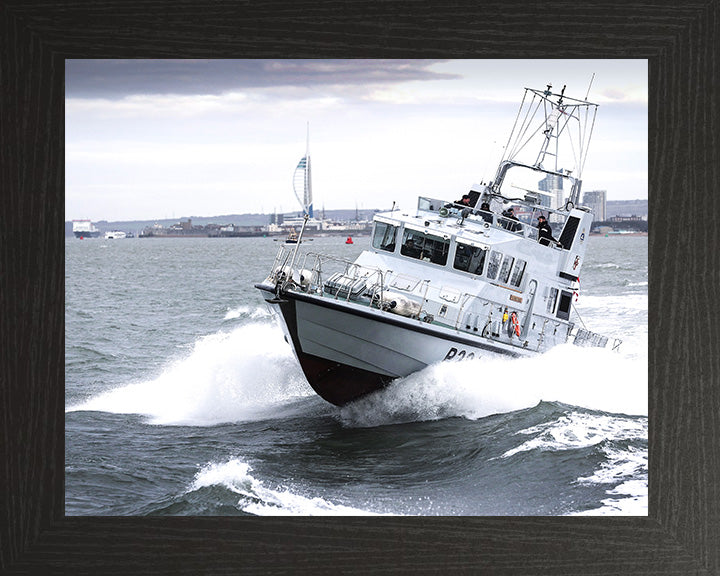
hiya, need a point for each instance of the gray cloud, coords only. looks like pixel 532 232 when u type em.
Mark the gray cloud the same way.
pixel 119 78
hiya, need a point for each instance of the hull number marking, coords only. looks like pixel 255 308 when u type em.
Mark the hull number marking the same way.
pixel 454 354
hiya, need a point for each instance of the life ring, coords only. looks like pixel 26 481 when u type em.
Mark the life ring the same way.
pixel 515 323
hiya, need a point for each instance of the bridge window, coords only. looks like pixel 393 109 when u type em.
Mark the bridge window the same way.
pixel 552 299
pixel 425 247
pixel 505 269
pixel 384 236
pixel 517 273
pixel 469 258
pixel 494 265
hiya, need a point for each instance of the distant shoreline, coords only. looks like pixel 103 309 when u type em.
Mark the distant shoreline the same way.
pixel 618 233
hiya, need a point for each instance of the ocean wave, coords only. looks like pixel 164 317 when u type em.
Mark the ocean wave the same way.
pixel 621 445
pixel 621 463
pixel 226 377
pixel 580 430
pixel 625 467
pixel 256 498
pixel 631 500
pixel 484 386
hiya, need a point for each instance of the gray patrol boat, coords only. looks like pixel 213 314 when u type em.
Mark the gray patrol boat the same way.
pixel 450 280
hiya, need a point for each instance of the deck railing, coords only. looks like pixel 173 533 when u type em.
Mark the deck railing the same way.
pixel 482 217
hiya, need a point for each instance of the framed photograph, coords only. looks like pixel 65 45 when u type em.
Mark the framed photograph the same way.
pixel 101 527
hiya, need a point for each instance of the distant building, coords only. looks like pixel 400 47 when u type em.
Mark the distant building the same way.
pixel 552 185
pixel 596 200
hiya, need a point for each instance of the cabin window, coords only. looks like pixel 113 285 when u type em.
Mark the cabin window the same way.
pixel 551 300
pixel 517 273
pixel 426 247
pixel 384 236
pixel 564 306
pixel 568 233
pixel 505 269
pixel 494 265
pixel 469 258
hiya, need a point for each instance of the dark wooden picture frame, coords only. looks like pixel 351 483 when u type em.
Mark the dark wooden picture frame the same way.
pixel 681 534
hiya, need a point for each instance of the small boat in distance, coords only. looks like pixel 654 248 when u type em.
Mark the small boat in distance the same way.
pixel 292 237
pixel 115 234
pixel 85 229
pixel 479 277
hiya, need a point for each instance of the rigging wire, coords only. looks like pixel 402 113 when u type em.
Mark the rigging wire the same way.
pixel 578 315
pixel 592 127
pixel 516 119
pixel 517 147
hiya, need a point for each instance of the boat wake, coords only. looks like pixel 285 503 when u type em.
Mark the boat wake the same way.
pixel 481 387
pixel 250 374
pixel 232 376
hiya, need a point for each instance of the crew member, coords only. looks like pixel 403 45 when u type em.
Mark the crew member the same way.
pixel 485 213
pixel 509 214
pixel 545 236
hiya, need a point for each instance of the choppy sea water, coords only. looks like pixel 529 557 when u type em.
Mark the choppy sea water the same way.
pixel 182 398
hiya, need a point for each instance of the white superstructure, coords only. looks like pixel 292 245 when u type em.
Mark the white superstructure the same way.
pixel 447 280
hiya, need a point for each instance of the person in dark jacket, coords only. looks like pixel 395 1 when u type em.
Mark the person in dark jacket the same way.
pixel 511 221
pixel 485 213
pixel 545 236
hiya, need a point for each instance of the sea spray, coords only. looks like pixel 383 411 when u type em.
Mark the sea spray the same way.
pixel 578 430
pixel 252 312
pixel 593 378
pixel 256 498
pixel 226 377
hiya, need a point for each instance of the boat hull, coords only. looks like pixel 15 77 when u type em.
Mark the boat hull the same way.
pixel 347 351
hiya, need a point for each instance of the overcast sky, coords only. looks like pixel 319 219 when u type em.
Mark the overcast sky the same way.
pixel 153 139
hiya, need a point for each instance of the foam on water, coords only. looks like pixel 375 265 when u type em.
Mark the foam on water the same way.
pixel 255 498
pixel 247 312
pixel 226 377
pixel 593 378
pixel 250 371
pixel 632 500
pixel 576 430
pixel 624 465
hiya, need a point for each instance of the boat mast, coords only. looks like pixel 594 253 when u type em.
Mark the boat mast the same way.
pixel 550 117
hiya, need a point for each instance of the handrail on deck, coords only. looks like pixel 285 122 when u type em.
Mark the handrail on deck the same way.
pixel 497 221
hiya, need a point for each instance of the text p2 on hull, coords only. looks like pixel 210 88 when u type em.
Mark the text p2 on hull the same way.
pixel 448 280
